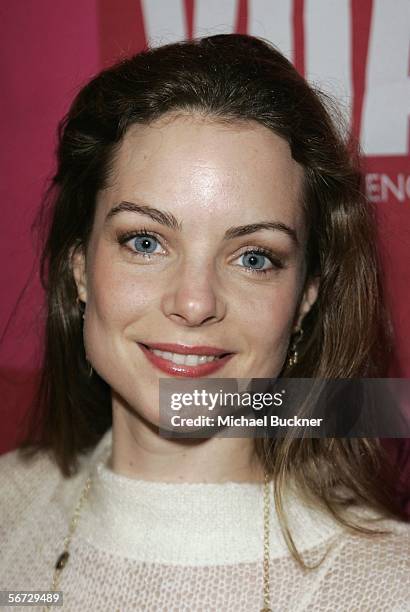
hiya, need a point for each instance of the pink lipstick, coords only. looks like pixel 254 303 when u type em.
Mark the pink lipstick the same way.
pixel 182 369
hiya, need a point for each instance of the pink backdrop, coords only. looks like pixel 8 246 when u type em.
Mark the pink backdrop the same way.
pixel 356 49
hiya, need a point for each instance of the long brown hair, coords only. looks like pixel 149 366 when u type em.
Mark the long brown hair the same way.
pixel 229 78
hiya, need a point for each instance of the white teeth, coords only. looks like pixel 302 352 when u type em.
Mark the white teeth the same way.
pixel 177 358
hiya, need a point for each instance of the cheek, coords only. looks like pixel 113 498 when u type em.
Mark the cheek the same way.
pixel 268 317
pixel 272 310
pixel 114 302
pixel 118 296
pixel 117 303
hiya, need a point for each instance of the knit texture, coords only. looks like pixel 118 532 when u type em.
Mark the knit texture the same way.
pixel 152 546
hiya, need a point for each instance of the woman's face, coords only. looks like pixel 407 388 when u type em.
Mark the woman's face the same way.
pixel 203 276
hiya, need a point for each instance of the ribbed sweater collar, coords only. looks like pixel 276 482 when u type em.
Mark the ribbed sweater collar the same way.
pixel 183 523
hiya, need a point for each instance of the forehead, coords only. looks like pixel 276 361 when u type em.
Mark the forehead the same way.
pixel 194 166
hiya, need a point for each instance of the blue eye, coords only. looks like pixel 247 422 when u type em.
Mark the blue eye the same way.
pixel 140 244
pixel 145 243
pixel 261 261
pixel 257 261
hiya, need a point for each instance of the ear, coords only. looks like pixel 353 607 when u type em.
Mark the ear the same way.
pixel 77 262
pixel 309 297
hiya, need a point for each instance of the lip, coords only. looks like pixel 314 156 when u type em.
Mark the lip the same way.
pixel 184 349
pixel 173 369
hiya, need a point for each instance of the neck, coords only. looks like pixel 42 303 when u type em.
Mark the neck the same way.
pixel 140 452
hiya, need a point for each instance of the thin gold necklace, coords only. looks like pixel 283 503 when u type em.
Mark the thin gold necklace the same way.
pixel 64 556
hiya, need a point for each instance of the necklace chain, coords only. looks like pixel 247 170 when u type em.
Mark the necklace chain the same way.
pixel 266 545
pixel 64 556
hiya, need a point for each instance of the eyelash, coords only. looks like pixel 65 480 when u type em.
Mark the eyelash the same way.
pixel 143 232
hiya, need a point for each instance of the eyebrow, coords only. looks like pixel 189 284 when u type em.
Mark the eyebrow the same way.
pixel 165 218
pixel 168 219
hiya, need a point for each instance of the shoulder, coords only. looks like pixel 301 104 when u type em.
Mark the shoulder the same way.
pixel 385 550
pixel 17 470
pixel 372 570
pixel 30 484
pixel 15 466
pixel 24 483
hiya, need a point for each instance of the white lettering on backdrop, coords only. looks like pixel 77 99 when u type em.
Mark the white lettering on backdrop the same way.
pixel 273 21
pixel 386 106
pixel 328 47
pixel 328 53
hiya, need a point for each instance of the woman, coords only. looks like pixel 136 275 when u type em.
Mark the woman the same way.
pixel 204 205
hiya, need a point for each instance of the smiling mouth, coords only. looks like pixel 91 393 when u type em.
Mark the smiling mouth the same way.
pixel 186 363
pixel 190 359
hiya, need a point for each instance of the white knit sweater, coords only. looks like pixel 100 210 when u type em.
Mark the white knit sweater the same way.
pixel 165 547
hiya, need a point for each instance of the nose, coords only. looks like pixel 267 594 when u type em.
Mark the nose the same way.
pixel 194 296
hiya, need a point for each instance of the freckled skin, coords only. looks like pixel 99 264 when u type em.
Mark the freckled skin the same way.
pixel 195 289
